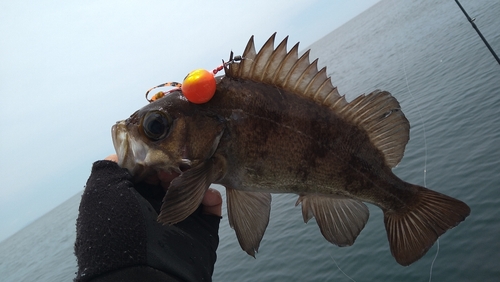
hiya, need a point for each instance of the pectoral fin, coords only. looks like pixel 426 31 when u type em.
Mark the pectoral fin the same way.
pixel 340 219
pixel 186 192
pixel 248 214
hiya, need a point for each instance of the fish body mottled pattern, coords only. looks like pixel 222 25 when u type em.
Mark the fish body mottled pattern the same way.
pixel 276 141
pixel 277 125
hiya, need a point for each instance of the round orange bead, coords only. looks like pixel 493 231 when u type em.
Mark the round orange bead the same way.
pixel 199 86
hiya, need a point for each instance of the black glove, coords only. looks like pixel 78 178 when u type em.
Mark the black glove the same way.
pixel 119 239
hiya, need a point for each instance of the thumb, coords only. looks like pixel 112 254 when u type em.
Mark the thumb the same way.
pixel 212 202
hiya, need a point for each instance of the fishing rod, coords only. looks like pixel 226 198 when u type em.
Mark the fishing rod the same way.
pixel 471 20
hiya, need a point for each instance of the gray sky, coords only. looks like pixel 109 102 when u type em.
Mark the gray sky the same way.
pixel 70 69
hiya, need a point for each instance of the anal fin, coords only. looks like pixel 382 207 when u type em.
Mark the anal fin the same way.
pixel 339 218
pixel 248 214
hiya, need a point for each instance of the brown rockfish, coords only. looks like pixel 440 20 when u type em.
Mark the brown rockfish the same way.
pixel 277 125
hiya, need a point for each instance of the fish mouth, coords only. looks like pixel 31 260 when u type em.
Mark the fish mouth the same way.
pixel 137 157
pixel 123 146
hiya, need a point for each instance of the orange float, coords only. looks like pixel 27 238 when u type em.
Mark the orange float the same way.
pixel 199 86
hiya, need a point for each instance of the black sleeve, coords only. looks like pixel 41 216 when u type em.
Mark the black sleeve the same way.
pixel 119 239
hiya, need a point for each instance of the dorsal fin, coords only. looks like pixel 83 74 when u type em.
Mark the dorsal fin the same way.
pixel 378 113
pixel 285 70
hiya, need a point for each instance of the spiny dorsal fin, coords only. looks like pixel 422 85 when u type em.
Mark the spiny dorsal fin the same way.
pixel 285 70
pixel 378 113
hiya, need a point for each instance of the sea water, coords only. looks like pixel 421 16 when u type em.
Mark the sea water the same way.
pixel 448 84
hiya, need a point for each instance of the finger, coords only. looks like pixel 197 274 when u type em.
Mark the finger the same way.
pixel 113 158
pixel 212 202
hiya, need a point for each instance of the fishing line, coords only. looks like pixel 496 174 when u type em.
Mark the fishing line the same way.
pixel 423 125
pixel 435 257
pixel 341 269
pixel 425 158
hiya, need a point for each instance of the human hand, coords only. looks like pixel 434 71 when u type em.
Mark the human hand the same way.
pixel 119 238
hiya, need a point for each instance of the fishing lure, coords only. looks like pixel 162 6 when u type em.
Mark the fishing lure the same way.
pixel 198 86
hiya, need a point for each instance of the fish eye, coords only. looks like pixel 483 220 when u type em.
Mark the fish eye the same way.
pixel 155 125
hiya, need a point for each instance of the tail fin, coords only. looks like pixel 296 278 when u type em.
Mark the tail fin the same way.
pixel 412 231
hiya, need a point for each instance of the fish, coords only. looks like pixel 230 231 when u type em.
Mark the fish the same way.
pixel 276 124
